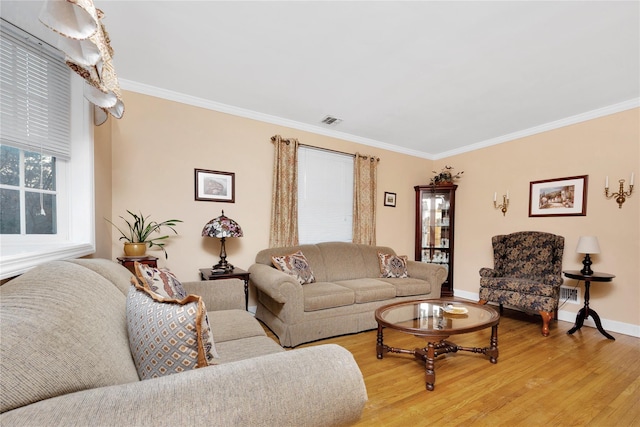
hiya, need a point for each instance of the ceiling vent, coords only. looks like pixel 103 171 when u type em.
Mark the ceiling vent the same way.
pixel 331 121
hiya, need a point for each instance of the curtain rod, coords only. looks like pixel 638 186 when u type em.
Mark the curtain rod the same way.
pixel 273 138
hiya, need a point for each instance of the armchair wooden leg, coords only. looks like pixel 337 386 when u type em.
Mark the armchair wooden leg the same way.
pixel 482 302
pixel 546 318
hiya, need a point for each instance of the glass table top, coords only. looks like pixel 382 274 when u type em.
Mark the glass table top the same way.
pixel 437 317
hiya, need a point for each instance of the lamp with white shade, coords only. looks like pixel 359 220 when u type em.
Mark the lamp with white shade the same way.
pixel 587 245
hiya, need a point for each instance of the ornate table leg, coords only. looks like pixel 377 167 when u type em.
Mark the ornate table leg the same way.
pixel 430 372
pixel 379 344
pixel 493 347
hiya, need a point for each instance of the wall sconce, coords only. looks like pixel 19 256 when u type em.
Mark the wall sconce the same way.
pixel 505 202
pixel 621 195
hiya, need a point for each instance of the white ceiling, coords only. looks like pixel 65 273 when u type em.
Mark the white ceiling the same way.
pixel 428 78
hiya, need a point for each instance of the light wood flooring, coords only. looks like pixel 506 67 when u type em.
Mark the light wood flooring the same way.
pixel 561 380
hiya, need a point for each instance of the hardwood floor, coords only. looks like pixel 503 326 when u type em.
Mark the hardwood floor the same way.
pixel 560 380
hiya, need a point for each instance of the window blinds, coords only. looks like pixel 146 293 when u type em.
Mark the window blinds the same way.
pixel 34 94
pixel 325 196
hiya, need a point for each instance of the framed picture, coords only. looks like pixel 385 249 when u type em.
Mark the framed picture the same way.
pixel 215 186
pixel 559 197
pixel 390 199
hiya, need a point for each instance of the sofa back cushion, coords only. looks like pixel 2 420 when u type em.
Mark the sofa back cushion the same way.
pixel 333 261
pixel 63 330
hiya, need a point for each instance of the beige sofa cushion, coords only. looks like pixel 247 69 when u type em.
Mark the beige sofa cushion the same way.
pixel 321 295
pixel 409 286
pixel 65 307
pixel 367 290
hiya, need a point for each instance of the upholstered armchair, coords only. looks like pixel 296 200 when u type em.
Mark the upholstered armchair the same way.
pixel 526 273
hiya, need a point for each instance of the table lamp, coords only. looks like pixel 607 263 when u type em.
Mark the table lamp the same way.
pixel 587 245
pixel 222 227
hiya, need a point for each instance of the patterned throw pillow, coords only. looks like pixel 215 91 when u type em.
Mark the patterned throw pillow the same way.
pixel 167 336
pixel 160 280
pixel 393 265
pixel 296 265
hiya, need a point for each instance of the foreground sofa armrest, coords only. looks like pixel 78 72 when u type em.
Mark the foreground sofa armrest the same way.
pixel 277 389
pixel 217 295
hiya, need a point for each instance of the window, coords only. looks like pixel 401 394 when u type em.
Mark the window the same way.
pixel 27 192
pixel 325 196
pixel 46 195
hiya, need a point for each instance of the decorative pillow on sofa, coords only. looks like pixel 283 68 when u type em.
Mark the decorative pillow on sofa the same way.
pixel 393 265
pixel 167 336
pixel 296 265
pixel 159 280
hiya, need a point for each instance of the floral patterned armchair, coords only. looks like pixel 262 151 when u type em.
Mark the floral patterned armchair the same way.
pixel 527 273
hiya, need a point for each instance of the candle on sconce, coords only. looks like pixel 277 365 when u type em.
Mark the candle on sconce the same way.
pixel 507 194
pixel 495 196
pixel 631 183
pixel 606 182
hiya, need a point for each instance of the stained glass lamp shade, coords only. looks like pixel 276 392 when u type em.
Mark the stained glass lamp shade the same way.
pixel 222 227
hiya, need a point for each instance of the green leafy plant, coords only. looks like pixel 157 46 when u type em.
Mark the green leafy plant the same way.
pixel 140 229
pixel 445 176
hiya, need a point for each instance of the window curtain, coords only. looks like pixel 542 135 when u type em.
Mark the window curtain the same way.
pixel 85 42
pixel 364 199
pixel 284 199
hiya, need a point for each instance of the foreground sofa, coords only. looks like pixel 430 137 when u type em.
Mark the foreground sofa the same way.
pixel 347 290
pixel 65 361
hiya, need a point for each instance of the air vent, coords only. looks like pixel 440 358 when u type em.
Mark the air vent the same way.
pixel 331 121
pixel 570 295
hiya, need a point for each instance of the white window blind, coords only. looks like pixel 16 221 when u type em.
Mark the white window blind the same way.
pixel 34 94
pixel 325 196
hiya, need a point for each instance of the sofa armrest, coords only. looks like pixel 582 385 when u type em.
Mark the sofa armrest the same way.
pixel 279 286
pixel 225 294
pixel 488 272
pixel 435 274
pixel 276 389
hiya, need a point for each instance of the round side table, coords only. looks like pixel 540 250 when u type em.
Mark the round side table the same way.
pixel 586 311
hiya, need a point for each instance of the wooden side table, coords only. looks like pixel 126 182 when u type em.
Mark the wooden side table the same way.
pixel 129 261
pixel 237 273
pixel 586 311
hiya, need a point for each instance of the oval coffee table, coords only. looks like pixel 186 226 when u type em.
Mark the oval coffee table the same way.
pixel 436 321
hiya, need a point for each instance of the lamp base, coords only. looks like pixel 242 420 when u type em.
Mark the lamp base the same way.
pixel 586 262
pixel 222 267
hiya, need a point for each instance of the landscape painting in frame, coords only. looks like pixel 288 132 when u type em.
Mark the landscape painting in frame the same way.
pixel 215 186
pixel 559 197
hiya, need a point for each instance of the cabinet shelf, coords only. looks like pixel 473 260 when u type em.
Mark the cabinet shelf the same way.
pixel 435 208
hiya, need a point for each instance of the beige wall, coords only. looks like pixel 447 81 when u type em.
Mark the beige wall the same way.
pixel 597 148
pixel 158 144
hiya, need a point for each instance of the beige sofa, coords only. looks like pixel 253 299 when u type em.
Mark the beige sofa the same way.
pixel 65 360
pixel 347 291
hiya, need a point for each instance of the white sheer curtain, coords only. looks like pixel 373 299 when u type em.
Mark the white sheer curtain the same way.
pixel 86 44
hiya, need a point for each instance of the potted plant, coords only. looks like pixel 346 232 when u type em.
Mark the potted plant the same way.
pixel 140 234
pixel 445 176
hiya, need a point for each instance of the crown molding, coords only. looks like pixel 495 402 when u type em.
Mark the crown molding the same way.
pixel 254 115
pixel 578 118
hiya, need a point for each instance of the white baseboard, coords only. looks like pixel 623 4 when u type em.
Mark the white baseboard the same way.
pixel 567 316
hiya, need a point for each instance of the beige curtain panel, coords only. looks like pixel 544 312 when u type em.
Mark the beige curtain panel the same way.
pixel 364 199
pixel 86 44
pixel 284 199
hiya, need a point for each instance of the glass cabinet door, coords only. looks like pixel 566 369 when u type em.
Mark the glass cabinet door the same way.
pixel 434 228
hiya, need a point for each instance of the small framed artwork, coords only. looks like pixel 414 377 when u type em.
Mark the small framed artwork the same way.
pixel 390 199
pixel 559 197
pixel 215 186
